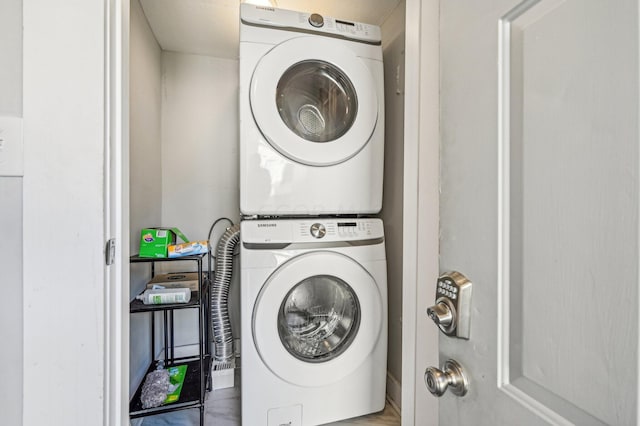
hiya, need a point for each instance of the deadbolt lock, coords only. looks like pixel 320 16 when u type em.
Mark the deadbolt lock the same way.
pixel 452 310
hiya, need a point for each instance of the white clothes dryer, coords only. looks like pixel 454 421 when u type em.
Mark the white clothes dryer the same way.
pixel 313 320
pixel 311 114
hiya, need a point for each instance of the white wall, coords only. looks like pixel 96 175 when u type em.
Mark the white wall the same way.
pixel 11 57
pixel 11 220
pixel 199 157
pixel 184 162
pixel 199 142
pixel 145 192
pixel 11 285
pixel 393 31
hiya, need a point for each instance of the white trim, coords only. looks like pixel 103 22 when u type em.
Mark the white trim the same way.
pixel 504 62
pixel 116 382
pixel 638 300
pixel 503 255
pixel 421 208
pixel 534 406
pixel 410 212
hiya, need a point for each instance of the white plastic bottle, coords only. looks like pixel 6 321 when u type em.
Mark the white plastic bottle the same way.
pixel 165 295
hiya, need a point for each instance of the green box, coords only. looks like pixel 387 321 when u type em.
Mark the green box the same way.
pixel 155 241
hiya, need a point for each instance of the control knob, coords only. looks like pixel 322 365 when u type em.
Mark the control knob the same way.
pixel 318 230
pixel 316 20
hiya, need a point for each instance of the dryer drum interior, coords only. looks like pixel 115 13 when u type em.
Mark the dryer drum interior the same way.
pixel 319 318
pixel 316 100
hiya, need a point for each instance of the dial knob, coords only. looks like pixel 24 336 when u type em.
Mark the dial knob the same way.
pixel 316 20
pixel 318 230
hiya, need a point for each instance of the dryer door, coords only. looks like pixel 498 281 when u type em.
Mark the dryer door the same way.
pixel 314 100
pixel 317 318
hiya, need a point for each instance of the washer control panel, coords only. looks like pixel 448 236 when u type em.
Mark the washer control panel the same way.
pixel 340 230
pixel 289 231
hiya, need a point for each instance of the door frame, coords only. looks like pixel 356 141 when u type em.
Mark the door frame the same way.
pixel 420 217
pixel 421 208
pixel 116 168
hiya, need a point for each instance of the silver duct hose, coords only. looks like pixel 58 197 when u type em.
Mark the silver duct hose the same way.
pixel 220 320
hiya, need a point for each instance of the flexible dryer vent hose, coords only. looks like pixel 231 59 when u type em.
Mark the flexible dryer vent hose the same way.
pixel 220 320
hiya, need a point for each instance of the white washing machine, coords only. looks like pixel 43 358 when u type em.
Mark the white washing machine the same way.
pixel 311 114
pixel 314 320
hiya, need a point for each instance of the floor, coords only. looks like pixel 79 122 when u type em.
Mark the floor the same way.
pixel 223 409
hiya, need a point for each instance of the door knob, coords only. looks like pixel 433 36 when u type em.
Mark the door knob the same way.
pixel 452 376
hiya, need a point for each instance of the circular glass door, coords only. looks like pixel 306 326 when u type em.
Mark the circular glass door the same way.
pixel 311 328
pixel 319 318
pixel 314 100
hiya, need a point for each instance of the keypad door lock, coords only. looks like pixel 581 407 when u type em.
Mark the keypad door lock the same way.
pixel 452 310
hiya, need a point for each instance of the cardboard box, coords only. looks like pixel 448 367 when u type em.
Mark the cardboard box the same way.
pixel 154 242
pixel 188 249
pixel 176 280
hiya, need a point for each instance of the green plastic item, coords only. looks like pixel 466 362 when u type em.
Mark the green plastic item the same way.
pixel 176 380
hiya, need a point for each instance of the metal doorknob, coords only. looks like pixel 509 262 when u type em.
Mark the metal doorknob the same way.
pixel 452 376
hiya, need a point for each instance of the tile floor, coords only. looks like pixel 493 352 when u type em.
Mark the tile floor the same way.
pixel 223 409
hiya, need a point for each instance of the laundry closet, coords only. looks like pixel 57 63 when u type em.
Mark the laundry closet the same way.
pixel 184 147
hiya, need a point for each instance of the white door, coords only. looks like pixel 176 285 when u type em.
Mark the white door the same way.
pixel 72 199
pixel 539 208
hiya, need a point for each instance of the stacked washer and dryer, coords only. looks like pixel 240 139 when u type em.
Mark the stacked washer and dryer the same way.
pixel 312 257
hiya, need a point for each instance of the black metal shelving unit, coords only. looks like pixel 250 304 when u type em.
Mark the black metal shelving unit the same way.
pixel 198 376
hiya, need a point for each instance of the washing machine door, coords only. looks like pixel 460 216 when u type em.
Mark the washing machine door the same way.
pixel 314 100
pixel 317 318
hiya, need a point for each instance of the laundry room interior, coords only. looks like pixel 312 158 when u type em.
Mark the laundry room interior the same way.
pixel 511 157
pixel 184 158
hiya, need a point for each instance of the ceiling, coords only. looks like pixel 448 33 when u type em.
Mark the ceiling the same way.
pixel 210 27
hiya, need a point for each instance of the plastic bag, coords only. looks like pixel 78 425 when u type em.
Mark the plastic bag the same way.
pixel 155 388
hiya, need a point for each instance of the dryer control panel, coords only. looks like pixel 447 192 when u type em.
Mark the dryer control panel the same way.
pixel 313 230
pixel 288 19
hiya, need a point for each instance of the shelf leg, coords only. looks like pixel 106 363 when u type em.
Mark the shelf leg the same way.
pixel 166 338
pixel 153 336
pixel 171 330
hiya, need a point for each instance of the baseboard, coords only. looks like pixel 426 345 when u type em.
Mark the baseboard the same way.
pixel 192 350
pixel 181 351
pixel 394 392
